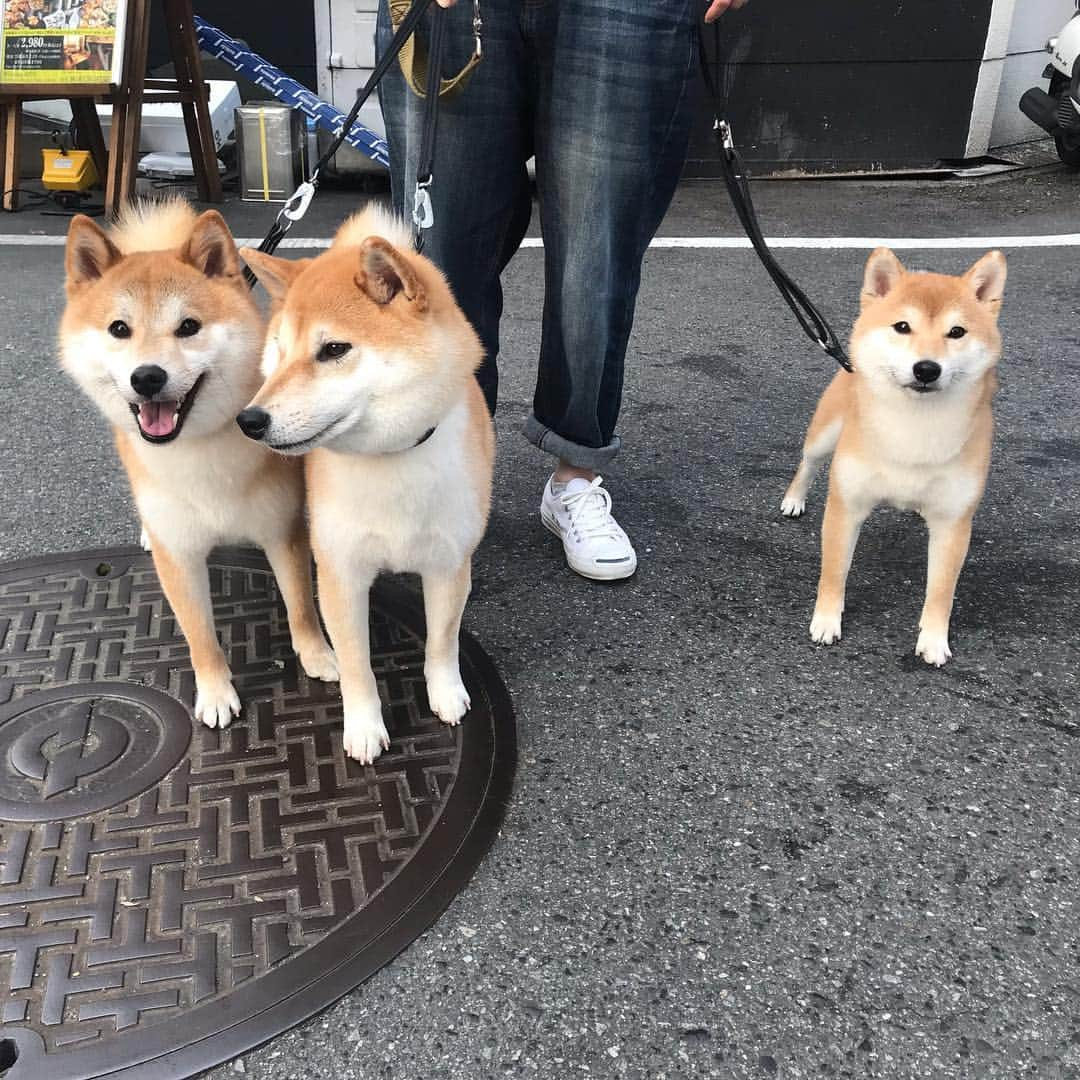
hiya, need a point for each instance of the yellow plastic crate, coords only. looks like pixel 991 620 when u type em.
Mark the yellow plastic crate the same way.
pixel 71 170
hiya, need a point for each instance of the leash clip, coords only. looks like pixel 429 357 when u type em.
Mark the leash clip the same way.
pixel 423 216
pixel 727 136
pixel 299 201
pixel 834 349
pixel 478 29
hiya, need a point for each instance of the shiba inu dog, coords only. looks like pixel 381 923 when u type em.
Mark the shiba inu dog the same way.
pixel 370 373
pixel 161 333
pixel 912 426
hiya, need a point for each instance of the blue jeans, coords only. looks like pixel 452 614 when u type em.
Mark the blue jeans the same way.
pixel 601 92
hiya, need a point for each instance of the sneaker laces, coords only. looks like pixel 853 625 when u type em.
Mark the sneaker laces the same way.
pixel 590 512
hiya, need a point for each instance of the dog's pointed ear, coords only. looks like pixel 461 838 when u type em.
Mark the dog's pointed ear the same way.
pixel 274 274
pixel 987 279
pixel 210 248
pixel 883 272
pixel 385 273
pixel 89 253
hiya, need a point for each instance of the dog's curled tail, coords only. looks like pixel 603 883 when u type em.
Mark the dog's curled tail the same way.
pixel 154 225
pixel 374 220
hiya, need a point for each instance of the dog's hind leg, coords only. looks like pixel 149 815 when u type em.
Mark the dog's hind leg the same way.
pixel 949 540
pixel 344 600
pixel 444 603
pixel 290 559
pixel 187 588
pixel 821 439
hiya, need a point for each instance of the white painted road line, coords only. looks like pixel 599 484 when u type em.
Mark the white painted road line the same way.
pixel 713 243
pixel 868 243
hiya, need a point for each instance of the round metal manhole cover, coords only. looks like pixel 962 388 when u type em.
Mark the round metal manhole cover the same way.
pixel 170 895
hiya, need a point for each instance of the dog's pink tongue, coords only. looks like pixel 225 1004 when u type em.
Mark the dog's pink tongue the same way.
pixel 157 417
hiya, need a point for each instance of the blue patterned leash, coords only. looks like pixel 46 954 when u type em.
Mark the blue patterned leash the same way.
pixel 260 71
pixel 273 80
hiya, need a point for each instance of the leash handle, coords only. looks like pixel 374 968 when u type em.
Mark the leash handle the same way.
pixel 297 205
pixel 733 169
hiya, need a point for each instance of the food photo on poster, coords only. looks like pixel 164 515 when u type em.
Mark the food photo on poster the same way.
pixel 61 41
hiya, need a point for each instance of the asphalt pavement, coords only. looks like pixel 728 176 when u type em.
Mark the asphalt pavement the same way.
pixel 729 853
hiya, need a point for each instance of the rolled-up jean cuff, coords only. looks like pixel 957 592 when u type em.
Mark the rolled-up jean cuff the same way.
pixel 583 457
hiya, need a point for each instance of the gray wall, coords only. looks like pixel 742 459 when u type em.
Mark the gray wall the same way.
pixel 849 84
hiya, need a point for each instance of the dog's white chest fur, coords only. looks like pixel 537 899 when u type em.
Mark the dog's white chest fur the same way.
pixel 201 493
pixel 415 511
pixel 916 459
pixel 937 492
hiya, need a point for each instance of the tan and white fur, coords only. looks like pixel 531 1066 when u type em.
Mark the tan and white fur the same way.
pixel 911 426
pixel 164 290
pixel 367 353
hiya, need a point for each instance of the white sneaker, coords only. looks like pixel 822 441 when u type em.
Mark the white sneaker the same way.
pixel 579 514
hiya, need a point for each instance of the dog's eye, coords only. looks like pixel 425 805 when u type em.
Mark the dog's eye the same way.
pixel 902 327
pixel 119 329
pixel 334 350
pixel 188 328
pixel 957 332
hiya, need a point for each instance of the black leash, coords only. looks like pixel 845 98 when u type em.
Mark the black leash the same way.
pixel 425 167
pixel 814 324
pixel 297 205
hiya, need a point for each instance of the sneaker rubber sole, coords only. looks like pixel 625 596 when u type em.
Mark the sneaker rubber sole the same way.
pixel 617 571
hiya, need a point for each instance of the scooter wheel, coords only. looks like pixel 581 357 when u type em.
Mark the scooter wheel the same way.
pixel 1068 153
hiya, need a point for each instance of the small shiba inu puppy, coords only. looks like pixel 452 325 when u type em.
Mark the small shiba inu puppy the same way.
pixel 911 426
pixel 161 333
pixel 370 373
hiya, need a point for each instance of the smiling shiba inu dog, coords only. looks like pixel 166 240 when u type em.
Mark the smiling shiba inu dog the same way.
pixel 161 333
pixel 370 373
pixel 912 426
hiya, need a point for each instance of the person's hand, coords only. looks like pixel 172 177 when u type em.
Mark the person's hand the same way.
pixel 451 3
pixel 715 10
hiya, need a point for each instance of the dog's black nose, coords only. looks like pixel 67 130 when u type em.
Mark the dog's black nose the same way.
pixel 927 371
pixel 149 379
pixel 254 422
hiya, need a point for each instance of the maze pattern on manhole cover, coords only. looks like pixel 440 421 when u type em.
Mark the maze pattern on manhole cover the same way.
pixel 151 868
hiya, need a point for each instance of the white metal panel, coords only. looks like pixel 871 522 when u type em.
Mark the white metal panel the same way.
pixel 1014 52
pixel 352 32
pixel 1010 124
pixel 347 81
pixel 1036 20
pixel 323 45
pixel 988 86
pixel 345 55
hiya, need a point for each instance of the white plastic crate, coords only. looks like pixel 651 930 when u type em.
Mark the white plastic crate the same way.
pixel 162 124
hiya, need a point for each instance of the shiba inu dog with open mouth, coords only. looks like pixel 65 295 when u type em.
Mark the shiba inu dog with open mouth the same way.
pixel 161 333
pixel 370 373
pixel 911 426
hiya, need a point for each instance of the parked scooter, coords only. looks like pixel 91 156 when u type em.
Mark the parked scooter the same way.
pixel 1058 112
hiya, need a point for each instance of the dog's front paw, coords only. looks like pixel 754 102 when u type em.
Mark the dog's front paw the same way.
pixel 825 627
pixel 448 698
pixel 933 648
pixel 792 507
pixel 319 662
pixel 216 702
pixel 144 541
pixel 365 736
